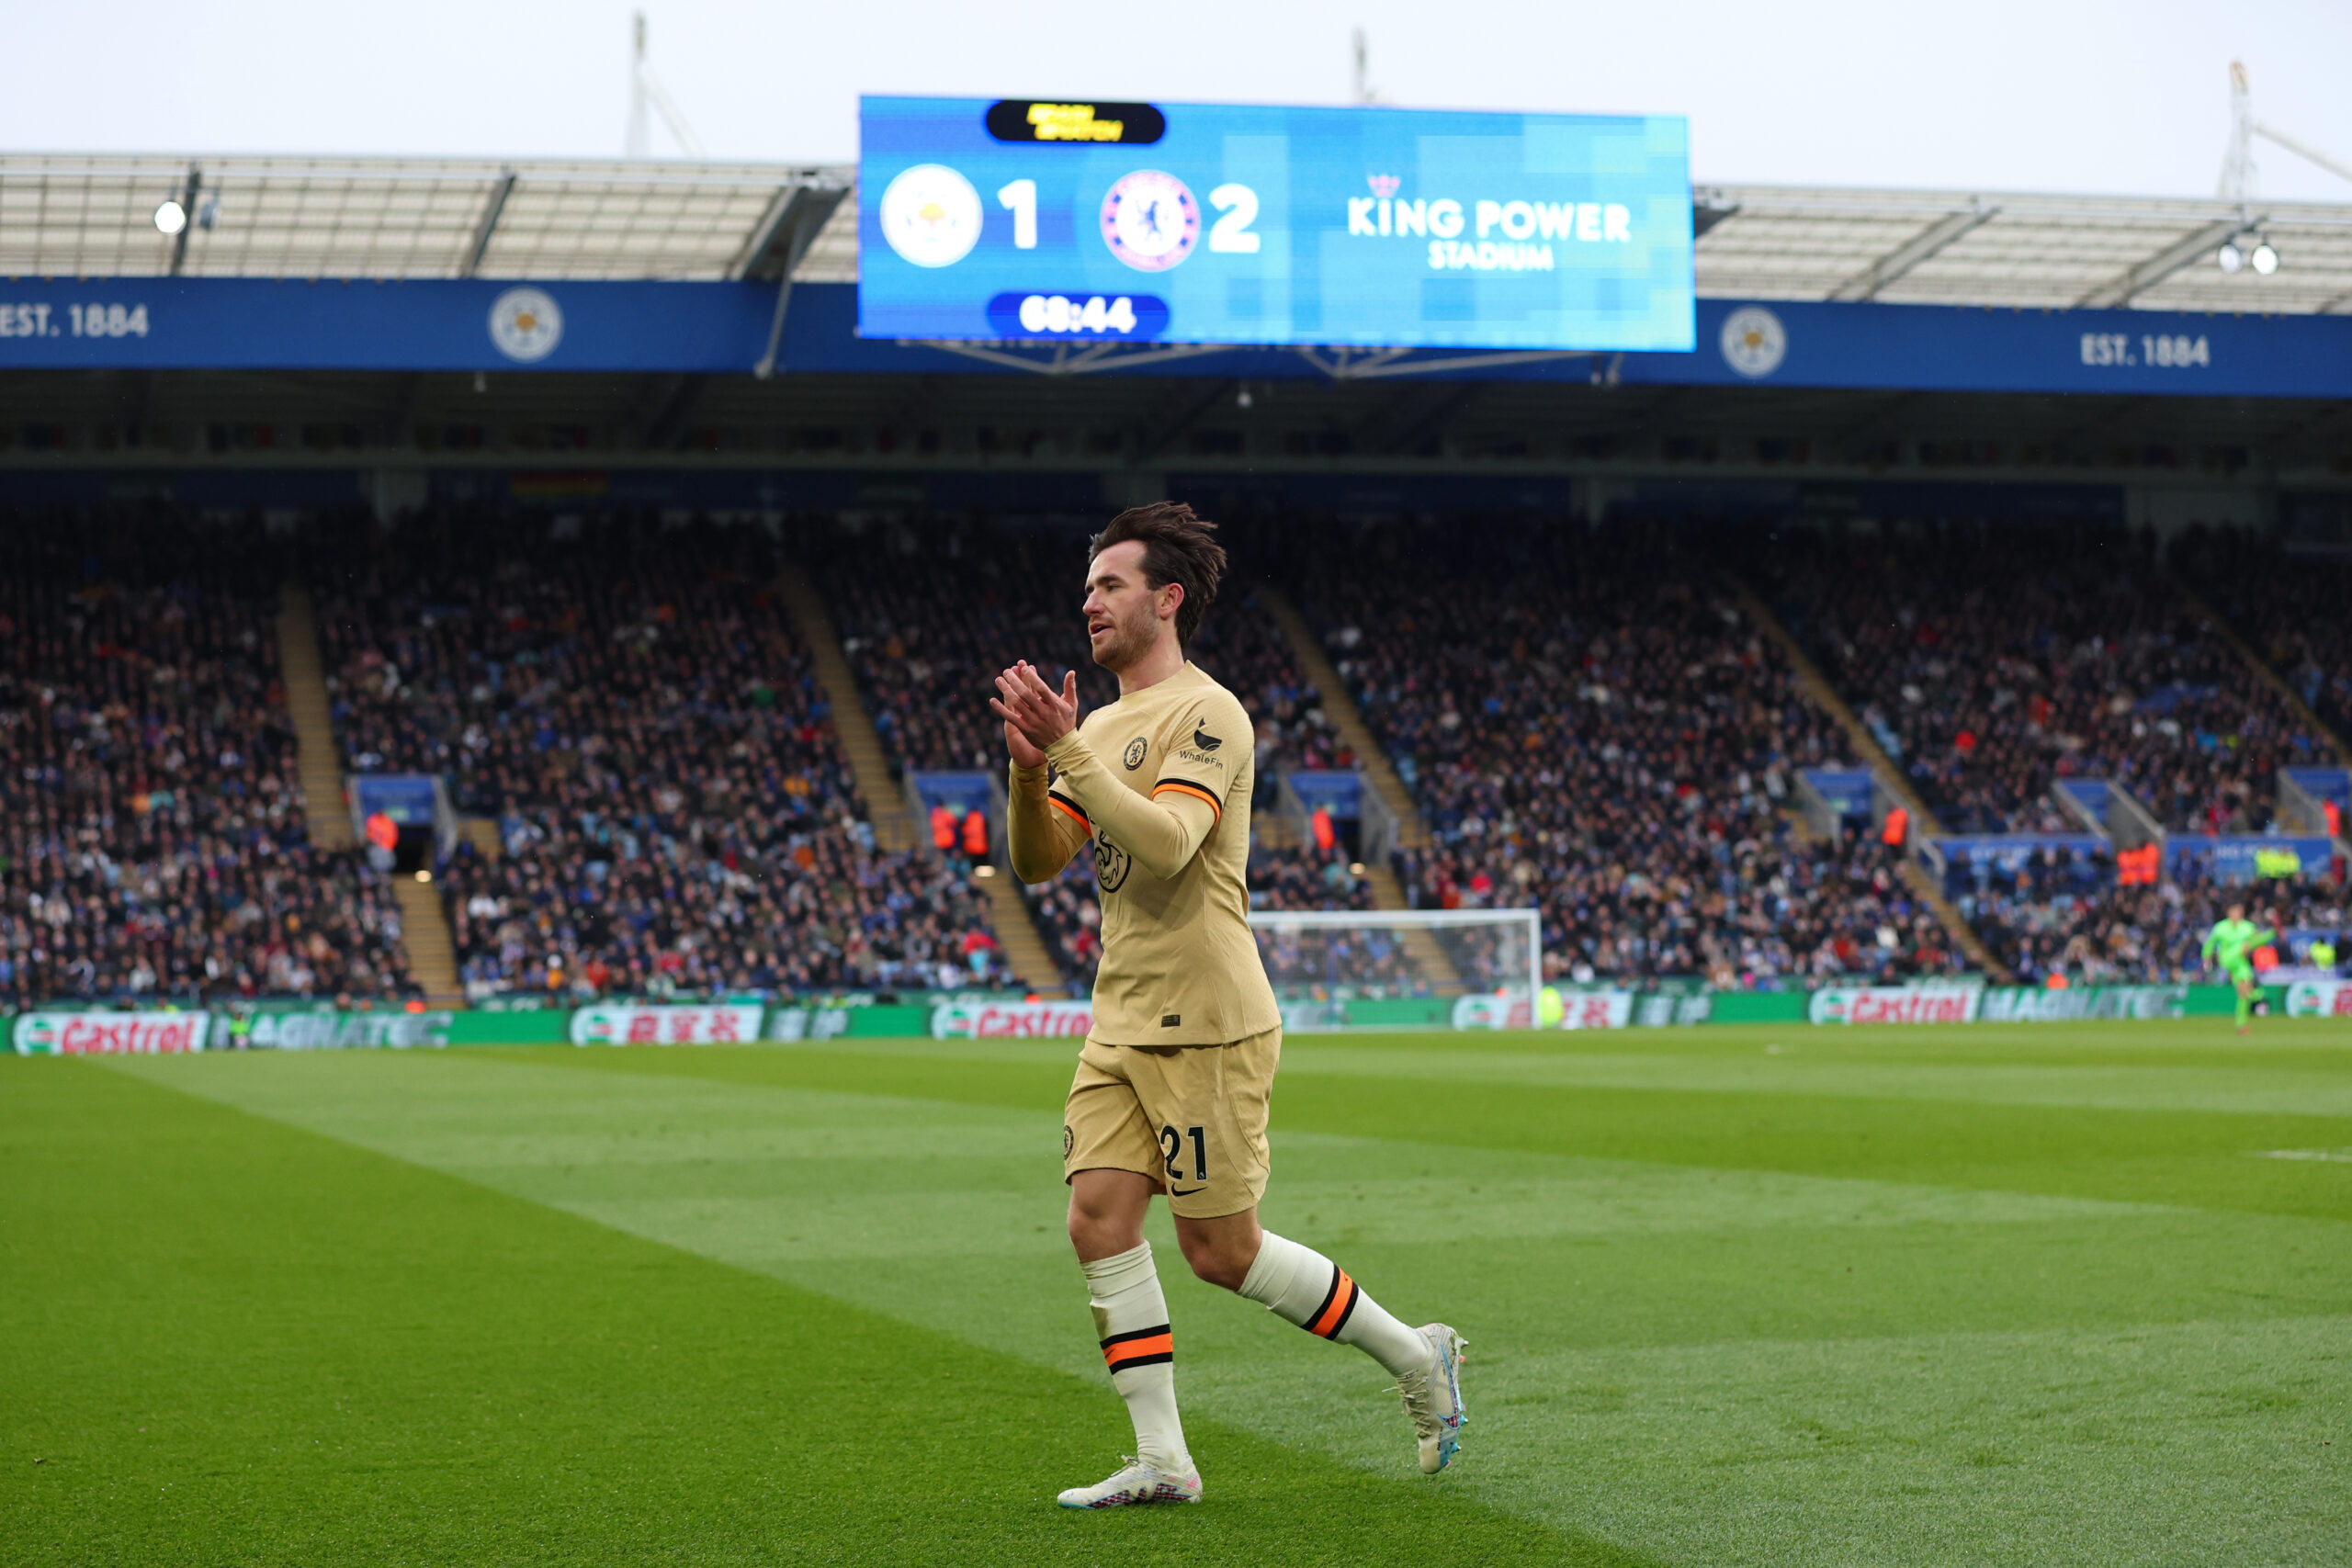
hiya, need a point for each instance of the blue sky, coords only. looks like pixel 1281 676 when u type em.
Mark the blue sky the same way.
pixel 2059 95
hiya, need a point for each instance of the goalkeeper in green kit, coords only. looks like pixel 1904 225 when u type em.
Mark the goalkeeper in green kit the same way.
pixel 2232 942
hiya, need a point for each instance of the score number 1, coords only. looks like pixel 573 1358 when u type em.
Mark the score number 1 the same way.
pixel 1229 233
pixel 1020 199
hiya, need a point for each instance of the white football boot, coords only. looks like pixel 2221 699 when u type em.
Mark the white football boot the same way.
pixel 1433 1398
pixel 1141 1481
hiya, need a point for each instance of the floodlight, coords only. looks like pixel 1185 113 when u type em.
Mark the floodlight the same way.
pixel 2265 260
pixel 2230 258
pixel 170 219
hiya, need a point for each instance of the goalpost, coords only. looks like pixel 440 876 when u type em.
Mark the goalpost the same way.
pixel 1372 952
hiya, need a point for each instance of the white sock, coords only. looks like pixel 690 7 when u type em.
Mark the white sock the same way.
pixel 1131 1319
pixel 1309 1290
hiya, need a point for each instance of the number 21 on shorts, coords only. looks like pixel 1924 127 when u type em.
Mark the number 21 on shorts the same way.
pixel 1172 1143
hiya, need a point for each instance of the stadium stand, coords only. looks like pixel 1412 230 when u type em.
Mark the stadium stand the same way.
pixel 1992 662
pixel 957 598
pixel 2294 611
pixel 1586 722
pixel 927 634
pixel 155 842
pixel 674 810
pixel 1592 729
pixel 2062 916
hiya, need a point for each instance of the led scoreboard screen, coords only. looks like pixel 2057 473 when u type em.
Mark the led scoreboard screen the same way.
pixel 1102 222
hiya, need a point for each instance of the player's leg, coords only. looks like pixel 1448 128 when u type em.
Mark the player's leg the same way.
pixel 1301 1286
pixel 1104 1140
pixel 2242 976
pixel 1212 1104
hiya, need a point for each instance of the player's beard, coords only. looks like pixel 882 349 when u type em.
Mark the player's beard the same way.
pixel 1131 638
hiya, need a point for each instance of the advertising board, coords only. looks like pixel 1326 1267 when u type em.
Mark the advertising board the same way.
pixel 1597 1010
pixel 988 1021
pixel 325 1030
pixel 1896 1004
pixel 2026 1004
pixel 75 1033
pixel 2320 999
pixel 1089 222
pixel 718 1023
pixel 1493 1009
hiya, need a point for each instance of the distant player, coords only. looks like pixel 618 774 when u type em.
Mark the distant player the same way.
pixel 2232 942
pixel 1174 1083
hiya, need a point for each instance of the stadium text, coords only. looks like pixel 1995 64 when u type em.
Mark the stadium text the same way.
pixel 108 1033
pixel 1443 221
pixel 36 318
pixel 2170 353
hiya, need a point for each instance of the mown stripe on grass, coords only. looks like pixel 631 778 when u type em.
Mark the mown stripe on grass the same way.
pixel 230 1341
pixel 2175 1157
pixel 955 1225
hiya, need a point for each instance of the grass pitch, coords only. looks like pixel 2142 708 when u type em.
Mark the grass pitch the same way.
pixel 2068 1294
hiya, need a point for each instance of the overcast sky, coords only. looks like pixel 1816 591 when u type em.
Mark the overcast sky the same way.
pixel 2090 95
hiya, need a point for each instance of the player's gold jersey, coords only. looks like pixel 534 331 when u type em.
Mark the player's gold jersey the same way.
pixel 1180 965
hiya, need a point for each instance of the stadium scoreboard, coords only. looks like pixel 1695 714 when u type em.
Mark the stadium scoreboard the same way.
pixel 1111 222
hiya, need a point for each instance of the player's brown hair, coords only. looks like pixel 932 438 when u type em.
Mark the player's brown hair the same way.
pixel 1177 547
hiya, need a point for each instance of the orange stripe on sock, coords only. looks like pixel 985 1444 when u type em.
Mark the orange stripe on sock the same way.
pixel 1120 1352
pixel 1335 1311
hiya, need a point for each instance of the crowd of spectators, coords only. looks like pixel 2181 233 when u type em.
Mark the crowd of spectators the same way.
pixel 2292 607
pixel 1993 661
pixel 153 838
pixel 1070 918
pixel 1589 726
pixel 2056 914
pixel 931 609
pixel 674 811
pixel 1592 730
pixel 1359 960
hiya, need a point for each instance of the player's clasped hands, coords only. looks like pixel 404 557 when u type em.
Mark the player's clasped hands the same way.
pixel 1035 715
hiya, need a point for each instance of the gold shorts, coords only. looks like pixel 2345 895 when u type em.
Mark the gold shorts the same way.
pixel 1191 1117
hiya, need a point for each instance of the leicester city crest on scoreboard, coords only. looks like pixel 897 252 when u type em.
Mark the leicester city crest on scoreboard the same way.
pixel 525 324
pixel 1754 341
pixel 931 215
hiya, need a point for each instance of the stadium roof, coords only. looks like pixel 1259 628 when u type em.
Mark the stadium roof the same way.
pixel 93 215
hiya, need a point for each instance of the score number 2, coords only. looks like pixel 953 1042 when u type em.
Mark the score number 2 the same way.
pixel 1231 233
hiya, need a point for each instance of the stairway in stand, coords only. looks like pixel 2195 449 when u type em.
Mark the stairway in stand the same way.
pixel 1412 834
pixel 886 803
pixel 2262 670
pixel 318 762
pixel 1016 933
pixel 1916 877
pixel 425 925
pixel 895 826
pixel 424 933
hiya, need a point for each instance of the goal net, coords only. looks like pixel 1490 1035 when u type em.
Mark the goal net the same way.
pixel 1343 955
